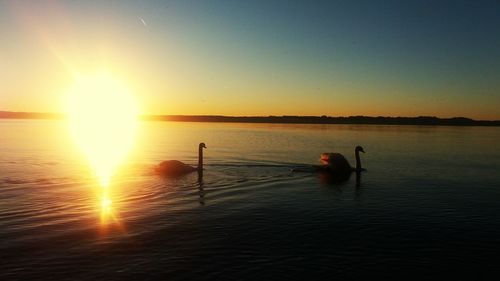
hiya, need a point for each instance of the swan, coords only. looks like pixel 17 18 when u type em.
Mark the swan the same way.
pixel 336 163
pixel 177 168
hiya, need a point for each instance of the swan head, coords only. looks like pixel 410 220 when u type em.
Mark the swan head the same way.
pixel 202 145
pixel 359 148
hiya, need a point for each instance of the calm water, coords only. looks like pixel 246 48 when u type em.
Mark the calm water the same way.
pixel 428 205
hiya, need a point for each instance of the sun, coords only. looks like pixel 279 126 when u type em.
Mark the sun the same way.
pixel 102 115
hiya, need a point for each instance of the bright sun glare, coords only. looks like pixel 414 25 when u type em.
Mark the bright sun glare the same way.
pixel 103 120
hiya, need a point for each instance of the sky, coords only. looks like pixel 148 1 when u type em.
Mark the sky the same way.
pixel 247 58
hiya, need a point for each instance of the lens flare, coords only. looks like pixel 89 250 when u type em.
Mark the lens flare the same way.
pixel 103 120
pixel 102 117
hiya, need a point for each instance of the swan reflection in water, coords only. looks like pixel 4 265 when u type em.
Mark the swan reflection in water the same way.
pixel 201 191
pixel 336 179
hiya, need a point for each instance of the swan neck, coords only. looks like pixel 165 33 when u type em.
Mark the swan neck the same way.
pixel 358 161
pixel 200 158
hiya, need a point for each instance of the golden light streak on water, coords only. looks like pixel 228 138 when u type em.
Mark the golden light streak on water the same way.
pixel 102 117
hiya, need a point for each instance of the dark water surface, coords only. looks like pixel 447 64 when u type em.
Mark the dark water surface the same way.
pixel 427 207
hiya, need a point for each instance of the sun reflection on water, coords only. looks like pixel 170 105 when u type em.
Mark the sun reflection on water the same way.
pixel 107 214
pixel 102 117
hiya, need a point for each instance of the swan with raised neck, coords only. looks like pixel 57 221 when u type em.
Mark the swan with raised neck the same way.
pixel 177 168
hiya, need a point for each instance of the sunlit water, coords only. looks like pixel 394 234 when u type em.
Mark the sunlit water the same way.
pixel 428 205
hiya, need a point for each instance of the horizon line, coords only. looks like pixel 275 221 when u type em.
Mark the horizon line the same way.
pixel 298 119
pixel 251 116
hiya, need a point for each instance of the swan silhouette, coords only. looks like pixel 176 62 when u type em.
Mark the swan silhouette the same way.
pixel 336 163
pixel 176 168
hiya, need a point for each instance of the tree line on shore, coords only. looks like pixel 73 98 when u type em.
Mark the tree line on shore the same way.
pixel 381 120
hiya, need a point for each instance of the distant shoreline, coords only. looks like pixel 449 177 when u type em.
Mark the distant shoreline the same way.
pixel 367 120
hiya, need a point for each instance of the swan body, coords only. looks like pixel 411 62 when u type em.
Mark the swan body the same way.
pixel 174 167
pixel 177 168
pixel 336 163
